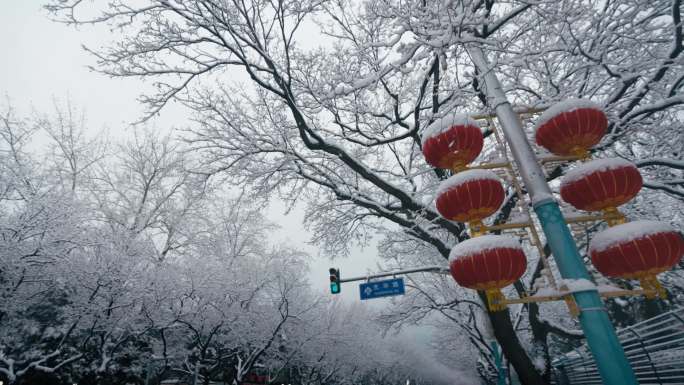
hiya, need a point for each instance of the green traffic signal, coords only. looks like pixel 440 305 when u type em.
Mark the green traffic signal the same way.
pixel 335 286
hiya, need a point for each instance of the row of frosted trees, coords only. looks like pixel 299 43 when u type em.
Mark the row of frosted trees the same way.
pixel 119 265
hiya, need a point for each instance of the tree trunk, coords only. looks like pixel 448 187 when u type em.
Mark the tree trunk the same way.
pixel 512 349
pixel 539 331
pixel 652 307
pixel 539 337
pixel 195 375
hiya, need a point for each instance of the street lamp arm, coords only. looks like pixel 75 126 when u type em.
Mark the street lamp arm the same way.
pixel 425 269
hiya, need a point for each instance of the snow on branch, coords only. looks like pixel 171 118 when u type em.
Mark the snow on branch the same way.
pixel 663 187
pixel 673 163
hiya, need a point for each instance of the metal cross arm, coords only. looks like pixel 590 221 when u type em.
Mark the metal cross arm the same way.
pixel 562 294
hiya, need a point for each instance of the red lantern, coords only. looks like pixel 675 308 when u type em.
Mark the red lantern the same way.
pixel 470 196
pixel 602 184
pixel 488 263
pixel 571 127
pixel 637 250
pixel 452 142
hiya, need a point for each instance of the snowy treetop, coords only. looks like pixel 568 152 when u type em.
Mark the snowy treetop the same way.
pixel 466 176
pixel 441 125
pixel 564 106
pixel 482 243
pixel 593 166
pixel 627 232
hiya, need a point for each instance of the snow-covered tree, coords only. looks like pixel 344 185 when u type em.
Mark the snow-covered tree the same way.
pixel 336 119
pixel 126 266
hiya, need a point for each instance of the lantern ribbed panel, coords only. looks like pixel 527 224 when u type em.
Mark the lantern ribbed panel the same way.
pixel 489 269
pixel 471 201
pixel 570 131
pixel 453 148
pixel 602 189
pixel 639 256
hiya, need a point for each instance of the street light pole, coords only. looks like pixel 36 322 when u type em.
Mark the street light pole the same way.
pixel 599 331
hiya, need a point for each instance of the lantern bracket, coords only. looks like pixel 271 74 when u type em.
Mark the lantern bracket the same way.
pixel 611 216
pixel 569 219
pixel 542 160
pixel 508 225
pixel 584 218
pixel 560 158
pixel 489 166
pixel 561 296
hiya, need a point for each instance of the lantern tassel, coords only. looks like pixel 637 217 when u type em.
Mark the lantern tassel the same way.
pixel 581 153
pixel 458 166
pixel 652 287
pixel 613 216
pixel 477 228
pixel 495 300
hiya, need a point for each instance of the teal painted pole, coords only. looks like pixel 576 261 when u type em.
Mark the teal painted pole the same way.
pixel 601 338
pixel 599 331
pixel 498 361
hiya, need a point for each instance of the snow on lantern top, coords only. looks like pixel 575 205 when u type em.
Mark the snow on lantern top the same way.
pixel 571 127
pixel 443 124
pixel 470 196
pixel 567 105
pixel 466 176
pixel 483 243
pixel 627 232
pixel 593 166
pixel 602 185
pixel 452 142
pixel 638 250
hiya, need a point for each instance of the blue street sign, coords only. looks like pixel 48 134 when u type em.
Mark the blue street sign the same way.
pixel 384 288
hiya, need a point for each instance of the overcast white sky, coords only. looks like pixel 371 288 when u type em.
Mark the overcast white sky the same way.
pixel 43 61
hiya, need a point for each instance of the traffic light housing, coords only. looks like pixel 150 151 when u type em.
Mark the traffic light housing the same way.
pixel 335 286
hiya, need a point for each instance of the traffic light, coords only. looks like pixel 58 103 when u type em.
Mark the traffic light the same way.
pixel 335 286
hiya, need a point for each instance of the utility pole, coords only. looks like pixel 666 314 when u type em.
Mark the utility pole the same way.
pixel 598 329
